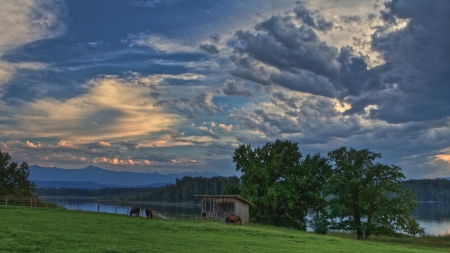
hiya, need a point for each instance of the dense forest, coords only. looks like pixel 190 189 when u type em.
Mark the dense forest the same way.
pixel 182 191
pixel 429 189
pixel 185 189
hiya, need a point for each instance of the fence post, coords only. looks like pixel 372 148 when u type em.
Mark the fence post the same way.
pixel 31 202
pixel 6 201
pixel 34 202
pixel 181 216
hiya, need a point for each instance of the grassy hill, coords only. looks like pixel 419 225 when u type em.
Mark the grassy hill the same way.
pixel 25 229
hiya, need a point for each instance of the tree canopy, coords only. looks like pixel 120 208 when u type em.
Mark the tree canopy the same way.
pixel 367 197
pixel 14 178
pixel 281 185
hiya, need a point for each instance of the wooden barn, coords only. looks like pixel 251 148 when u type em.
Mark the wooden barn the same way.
pixel 220 206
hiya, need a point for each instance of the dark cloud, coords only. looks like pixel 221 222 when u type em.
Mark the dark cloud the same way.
pixel 312 18
pixel 174 133
pixel 417 61
pixel 129 145
pixel 209 132
pixel 304 62
pixel 411 85
pixel 202 102
pixel 212 49
pixel 233 88
pixel 155 95
pixel 215 38
pixel 351 19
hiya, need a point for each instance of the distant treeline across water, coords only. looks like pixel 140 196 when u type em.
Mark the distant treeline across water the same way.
pixel 429 189
pixel 184 190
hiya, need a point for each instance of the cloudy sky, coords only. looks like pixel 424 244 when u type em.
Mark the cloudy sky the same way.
pixel 176 85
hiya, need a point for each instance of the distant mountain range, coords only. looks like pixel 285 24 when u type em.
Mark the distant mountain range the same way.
pixel 93 177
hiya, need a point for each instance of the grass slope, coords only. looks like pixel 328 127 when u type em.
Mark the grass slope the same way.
pixel 24 229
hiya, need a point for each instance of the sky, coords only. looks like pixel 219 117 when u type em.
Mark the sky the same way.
pixel 175 86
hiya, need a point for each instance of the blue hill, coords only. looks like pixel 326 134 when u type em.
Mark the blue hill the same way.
pixel 108 177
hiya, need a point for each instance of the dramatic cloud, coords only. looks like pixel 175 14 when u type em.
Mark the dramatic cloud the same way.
pixel 174 86
pixel 233 88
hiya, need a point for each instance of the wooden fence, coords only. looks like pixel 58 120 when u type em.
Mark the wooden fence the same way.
pixel 36 202
pixel 31 202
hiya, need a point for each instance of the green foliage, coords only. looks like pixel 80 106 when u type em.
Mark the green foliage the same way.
pixel 320 223
pixel 25 229
pixel 281 185
pixel 14 178
pixel 413 228
pixel 367 197
pixel 185 189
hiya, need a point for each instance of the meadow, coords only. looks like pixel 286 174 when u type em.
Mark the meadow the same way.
pixel 25 229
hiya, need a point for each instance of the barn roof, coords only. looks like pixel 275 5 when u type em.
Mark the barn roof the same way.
pixel 224 196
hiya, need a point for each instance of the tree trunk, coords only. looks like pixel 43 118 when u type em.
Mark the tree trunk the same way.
pixel 359 234
pixel 366 235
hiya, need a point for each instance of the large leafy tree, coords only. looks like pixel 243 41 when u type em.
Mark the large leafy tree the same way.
pixel 14 177
pixel 367 197
pixel 280 183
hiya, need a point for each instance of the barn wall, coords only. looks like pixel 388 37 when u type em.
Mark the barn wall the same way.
pixel 242 210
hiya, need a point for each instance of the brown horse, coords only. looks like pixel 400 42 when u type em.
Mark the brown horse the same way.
pixel 135 210
pixel 233 218
pixel 149 212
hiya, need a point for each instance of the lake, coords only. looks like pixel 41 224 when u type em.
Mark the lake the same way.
pixel 433 216
pixel 169 211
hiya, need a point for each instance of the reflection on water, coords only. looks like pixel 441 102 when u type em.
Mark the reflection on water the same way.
pixel 434 217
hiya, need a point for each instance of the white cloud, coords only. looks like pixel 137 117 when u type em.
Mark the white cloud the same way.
pixel 225 129
pixel 159 43
pixel 26 21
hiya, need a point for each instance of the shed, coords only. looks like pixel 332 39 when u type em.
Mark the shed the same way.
pixel 220 206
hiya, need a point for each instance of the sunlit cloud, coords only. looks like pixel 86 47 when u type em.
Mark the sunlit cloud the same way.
pixel 120 107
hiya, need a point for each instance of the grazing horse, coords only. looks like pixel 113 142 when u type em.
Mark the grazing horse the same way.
pixel 149 212
pixel 135 210
pixel 233 218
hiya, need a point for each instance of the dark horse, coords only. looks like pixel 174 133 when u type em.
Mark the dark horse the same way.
pixel 149 212
pixel 135 210
pixel 233 218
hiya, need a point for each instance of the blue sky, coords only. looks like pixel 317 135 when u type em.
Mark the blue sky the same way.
pixel 175 85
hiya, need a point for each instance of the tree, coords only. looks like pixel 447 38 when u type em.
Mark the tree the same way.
pixel 14 178
pixel 367 197
pixel 280 184
pixel 413 228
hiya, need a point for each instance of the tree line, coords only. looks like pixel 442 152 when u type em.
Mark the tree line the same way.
pixel 183 190
pixel 429 189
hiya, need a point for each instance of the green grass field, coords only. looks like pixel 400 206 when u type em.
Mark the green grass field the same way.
pixel 25 229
